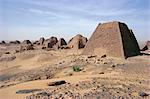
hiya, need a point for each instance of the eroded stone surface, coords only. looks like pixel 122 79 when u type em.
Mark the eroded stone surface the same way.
pixel 77 42
pixel 113 39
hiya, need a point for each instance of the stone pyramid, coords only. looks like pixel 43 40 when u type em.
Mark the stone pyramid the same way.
pixel 112 39
pixel 77 42
pixel 147 46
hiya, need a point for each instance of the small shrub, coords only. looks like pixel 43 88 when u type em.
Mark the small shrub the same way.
pixel 76 68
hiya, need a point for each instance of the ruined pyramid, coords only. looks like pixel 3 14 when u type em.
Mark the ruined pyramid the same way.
pixel 77 42
pixel 113 39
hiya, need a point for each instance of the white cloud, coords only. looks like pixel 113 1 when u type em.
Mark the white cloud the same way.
pixel 50 13
pixel 72 16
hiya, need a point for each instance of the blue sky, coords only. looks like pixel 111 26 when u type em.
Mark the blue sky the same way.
pixel 31 19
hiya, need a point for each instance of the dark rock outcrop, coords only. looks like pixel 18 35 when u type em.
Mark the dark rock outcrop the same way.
pixel 56 83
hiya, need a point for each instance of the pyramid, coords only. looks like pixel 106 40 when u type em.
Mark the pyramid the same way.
pixel 77 42
pixel 112 39
pixel 60 44
pixel 147 46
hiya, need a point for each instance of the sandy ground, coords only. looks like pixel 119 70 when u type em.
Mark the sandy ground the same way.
pixel 35 69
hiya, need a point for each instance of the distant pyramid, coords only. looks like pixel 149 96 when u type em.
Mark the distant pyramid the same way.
pixel 113 39
pixel 77 42
pixel 147 46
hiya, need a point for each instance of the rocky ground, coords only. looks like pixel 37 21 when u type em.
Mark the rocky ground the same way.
pixel 66 74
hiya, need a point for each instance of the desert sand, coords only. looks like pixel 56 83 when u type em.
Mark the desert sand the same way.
pixel 105 77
